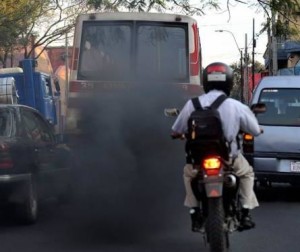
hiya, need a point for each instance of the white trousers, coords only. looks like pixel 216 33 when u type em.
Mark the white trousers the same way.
pixel 246 189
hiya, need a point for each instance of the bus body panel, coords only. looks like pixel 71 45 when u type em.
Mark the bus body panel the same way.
pixel 168 62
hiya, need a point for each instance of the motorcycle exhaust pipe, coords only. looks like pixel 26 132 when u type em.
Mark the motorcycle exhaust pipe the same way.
pixel 230 180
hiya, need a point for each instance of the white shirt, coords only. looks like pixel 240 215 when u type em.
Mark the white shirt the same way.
pixel 235 116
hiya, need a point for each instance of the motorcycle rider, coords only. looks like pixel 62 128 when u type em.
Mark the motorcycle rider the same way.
pixel 235 116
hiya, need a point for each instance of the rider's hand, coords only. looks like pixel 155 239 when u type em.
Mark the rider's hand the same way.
pixel 176 135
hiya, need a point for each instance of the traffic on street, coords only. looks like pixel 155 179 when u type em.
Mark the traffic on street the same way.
pixel 124 126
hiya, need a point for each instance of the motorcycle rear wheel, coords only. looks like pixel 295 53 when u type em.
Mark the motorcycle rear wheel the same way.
pixel 215 228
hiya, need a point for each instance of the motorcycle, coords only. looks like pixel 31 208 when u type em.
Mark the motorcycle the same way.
pixel 216 188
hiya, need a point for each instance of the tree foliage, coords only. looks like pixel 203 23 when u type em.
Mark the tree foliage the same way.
pixel 15 16
pixel 285 12
pixel 283 8
pixel 27 24
pixel 182 6
pixel 51 23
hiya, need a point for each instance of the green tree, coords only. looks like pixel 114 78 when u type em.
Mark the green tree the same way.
pixel 27 24
pixel 287 10
pixel 14 16
pixel 286 14
pixel 285 7
pixel 183 6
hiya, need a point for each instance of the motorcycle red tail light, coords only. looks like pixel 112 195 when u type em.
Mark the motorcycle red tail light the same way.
pixel 248 143
pixel 212 165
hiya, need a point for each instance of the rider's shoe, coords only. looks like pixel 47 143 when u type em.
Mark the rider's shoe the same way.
pixel 246 220
pixel 197 219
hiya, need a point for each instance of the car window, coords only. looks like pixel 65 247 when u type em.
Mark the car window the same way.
pixel 37 129
pixel 46 85
pixel 283 107
pixel 5 122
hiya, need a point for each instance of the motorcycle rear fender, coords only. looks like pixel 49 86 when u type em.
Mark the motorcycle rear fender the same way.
pixel 213 186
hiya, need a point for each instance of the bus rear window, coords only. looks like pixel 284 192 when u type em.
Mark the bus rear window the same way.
pixel 162 52
pixel 134 50
pixel 105 51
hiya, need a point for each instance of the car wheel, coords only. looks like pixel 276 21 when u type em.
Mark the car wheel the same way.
pixel 28 210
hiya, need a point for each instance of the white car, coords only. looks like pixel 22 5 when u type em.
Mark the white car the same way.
pixel 275 154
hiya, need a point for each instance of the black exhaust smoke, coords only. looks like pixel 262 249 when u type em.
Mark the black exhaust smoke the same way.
pixel 128 170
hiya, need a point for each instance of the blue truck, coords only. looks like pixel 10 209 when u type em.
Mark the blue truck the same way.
pixel 24 85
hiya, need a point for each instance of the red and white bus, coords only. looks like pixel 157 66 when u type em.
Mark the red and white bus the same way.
pixel 112 50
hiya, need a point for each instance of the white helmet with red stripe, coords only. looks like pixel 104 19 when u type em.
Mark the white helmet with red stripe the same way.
pixel 218 76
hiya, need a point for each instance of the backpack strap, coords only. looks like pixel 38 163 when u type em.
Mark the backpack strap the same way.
pixel 215 105
pixel 196 103
pixel 218 101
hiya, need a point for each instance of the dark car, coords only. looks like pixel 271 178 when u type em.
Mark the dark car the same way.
pixel 275 154
pixel 34 165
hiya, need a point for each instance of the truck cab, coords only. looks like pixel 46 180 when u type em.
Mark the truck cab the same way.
pixel 31 88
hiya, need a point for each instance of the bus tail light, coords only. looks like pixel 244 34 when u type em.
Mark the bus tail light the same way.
pixel 75 58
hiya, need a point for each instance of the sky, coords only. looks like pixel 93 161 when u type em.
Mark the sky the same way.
pixel 221 46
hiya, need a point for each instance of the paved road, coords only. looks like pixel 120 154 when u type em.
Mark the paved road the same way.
pixel 118 218
pixel 129 193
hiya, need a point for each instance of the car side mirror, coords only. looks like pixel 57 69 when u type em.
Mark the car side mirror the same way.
pixel 258 108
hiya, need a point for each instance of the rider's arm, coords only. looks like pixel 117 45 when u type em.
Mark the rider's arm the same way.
pixel 248 121
pixel 180 125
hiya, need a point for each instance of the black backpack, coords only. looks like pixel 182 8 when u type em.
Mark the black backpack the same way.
pixel 205 133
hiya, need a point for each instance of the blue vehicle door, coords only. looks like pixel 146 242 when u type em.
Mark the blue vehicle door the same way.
pixel 45 100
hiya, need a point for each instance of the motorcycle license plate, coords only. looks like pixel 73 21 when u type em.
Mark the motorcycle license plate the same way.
pixel 295 166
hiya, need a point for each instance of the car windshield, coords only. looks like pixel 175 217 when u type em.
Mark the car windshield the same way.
pixel 283 107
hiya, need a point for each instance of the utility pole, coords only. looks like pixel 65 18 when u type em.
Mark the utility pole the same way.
pixel 67 61
pixel 242 77
pixel 241 59
pixel 274 45
pixel 246 79
pixel 253 53
pixel 270 48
